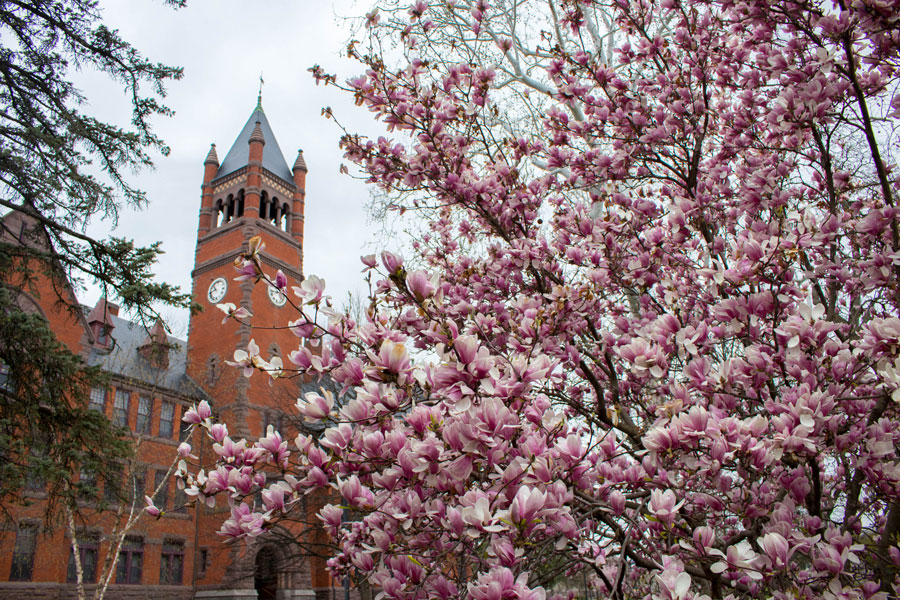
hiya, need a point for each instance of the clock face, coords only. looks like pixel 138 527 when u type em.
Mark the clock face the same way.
pixel 217 290
pixel 277 298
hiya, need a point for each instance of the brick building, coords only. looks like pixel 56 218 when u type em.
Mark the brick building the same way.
pixel 156 377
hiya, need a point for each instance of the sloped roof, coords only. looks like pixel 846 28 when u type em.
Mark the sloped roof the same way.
pixel 102 312
pixel 238 156
pixel 125 360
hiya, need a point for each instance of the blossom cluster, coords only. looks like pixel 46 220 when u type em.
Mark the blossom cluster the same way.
pixel 656 345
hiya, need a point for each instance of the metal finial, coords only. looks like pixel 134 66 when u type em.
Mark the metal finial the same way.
pixel 259 97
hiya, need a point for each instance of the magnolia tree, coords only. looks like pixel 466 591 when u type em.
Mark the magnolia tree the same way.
pixel 654 343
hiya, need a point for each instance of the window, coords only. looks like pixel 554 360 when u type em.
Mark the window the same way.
pixel 23 553
pixel 145 409
pixel 204 558
pixel 98 399
pixel 130 566
pixel 171 565
pixel 166 419
pixel 87 485
pixel 162 496
pixel 120 408
pixel 112 488
pixel 139 483
pixel 102 335
pixel 35 480
pixel 87 552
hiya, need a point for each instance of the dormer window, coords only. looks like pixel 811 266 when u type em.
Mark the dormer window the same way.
pixel 155 348
pixel 100 320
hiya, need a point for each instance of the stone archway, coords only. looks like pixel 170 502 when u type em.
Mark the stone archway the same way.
pixel 265 577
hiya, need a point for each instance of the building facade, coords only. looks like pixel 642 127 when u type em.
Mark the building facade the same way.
pixel 156 377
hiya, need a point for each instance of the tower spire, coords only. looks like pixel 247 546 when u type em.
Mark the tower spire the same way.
pixel 272 158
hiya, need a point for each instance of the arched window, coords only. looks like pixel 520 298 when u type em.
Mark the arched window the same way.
pixel 218 216
pixel 264 206
pixel 240 203
pixel 229 209
pixel 285 218
pixel 274 212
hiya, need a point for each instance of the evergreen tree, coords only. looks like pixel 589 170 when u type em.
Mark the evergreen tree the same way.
pixel 59 169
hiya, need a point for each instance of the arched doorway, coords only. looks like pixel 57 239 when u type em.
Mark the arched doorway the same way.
pixel 265 578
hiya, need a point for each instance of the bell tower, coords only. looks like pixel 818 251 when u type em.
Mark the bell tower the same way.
pixel 252 192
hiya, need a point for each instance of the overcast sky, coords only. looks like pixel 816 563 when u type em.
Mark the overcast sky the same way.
pixel 223 46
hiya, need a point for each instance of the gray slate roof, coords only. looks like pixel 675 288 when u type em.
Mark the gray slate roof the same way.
pixel 273 159
pixel 124 360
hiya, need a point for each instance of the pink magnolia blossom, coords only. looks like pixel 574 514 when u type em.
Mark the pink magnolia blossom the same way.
pixel 302 328
pixel 197 414
pixel 280 281
pixel 369 261
pixel 776 549
pixel 528 504
pixel 740 557
pixel 354 492
pixel 303 357
pixel 232 312
pixel 248 269
pixel 314 406
pixel 393 356
pixel 501 583
pixel 664 505
pixel 243 523
pixel 274 498
pixel 215 482
pixel 310 289
pixel 218 432
pixel 332 517
pixel 674 583
pixel 419 284
pixel 150 508
pixel 391 261
pixel 617 502
pixel 276 447
pixel 247 359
